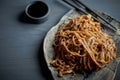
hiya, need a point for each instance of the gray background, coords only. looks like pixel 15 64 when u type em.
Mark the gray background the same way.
pixel 21 55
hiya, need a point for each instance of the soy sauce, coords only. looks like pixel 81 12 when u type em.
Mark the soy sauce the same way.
pixel 38 9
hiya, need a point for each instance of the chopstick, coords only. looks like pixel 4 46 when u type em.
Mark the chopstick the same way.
pixel 89 9
pixel 85 8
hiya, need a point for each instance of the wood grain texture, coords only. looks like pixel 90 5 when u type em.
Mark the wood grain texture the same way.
pixel 21 50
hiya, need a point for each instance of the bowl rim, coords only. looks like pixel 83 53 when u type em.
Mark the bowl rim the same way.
pixel 34 2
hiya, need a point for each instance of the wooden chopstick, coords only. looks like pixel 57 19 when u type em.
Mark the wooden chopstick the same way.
pixel 83 11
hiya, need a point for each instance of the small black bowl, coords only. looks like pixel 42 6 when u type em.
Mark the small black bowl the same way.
pixel 37 11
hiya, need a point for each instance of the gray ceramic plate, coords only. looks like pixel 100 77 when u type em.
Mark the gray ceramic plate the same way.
pixel 106 73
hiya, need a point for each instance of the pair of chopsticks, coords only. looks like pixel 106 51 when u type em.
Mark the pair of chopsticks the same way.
pixel 78 5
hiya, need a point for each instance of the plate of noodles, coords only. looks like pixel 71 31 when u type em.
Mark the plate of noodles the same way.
pixel 79 48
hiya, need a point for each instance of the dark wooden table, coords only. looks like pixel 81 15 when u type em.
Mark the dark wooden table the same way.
pixel 21 51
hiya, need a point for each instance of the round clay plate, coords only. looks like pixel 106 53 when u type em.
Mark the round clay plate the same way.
pixel 106 73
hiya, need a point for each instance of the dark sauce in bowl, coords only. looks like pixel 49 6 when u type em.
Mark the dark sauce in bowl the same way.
pixel 37 9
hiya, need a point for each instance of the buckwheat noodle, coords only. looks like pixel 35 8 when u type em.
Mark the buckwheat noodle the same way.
pixel 81 46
